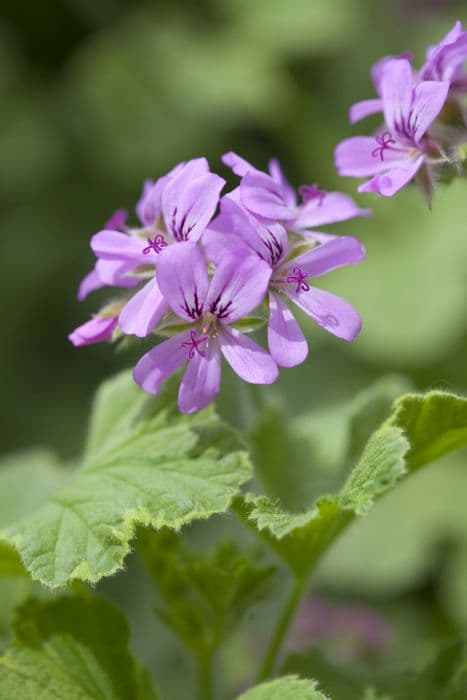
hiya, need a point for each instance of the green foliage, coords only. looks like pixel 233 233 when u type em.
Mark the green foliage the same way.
pixel 145 464
pixel 287 688
pixel 205 596
pixel 71 648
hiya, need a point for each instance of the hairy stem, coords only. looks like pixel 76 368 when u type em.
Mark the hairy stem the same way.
pixel 281 629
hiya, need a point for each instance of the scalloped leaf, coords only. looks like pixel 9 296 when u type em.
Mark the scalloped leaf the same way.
pixel 422 428
pixel 71 648
pixel 286 688
pixel 144 464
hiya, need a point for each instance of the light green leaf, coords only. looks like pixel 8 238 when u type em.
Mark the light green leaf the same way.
pixel 145 464
pixel 205 595
pixel 301 538
pixel 286 688
pixel 71 648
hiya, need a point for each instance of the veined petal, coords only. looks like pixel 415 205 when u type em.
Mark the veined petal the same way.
pixel 113 245
pixel 393 180
pixel 248 359
pixel 287 344
pixel 358 156
pixel 88 284
pixel 188 204
pixel 264 197
pixel 335 206
pixel 328 310
pixel 116 273
pixel 428 100
pixel 397 84
pixel 141 204
pixel 160 362
pixel 239 166
pixel 96 330
pixel 143 311
pixel 340 251
pixel 202 379
pixel 183 279
pixel 238 286
pixel 278 175
pixel 217 245
pixel 364 108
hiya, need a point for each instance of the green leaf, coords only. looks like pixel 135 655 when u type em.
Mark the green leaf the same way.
pixel 286 688
pixel 145 464
pixel 205 595
pixel 422 427
pixel 444 679
pixel 71 648
pixel 301 538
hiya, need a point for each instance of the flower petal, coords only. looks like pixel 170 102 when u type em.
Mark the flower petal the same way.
pixel 96 330
pixel 183 279
pixel 116 273
pixel 363 109
pixel 278 175
pixel 248 359
pixel 357 156
pixel 264 197
pixel 397 84
pixel 339 251
pixel 428 100
pixel 188 204
pixel 160 362
pixel 335 206
pixel 238 165
pixel 238 286
pixel 113 245
pixel 202 379
pixel 286 341
pixel 88 284
pixel 328 310
pixel 392 181
pixel 143 311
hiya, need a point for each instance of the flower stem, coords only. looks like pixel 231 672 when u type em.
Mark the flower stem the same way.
pixel 205 685
pixel 281 629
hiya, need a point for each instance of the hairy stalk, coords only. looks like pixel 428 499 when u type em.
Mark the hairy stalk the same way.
pixel 281 629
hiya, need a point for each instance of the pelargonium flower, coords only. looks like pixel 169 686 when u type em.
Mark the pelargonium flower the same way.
pixel 269 196
pixel 208 307
pixel 445 60
pixel 235 227
pixel 97 330
pixel 397 152
pixel 175 208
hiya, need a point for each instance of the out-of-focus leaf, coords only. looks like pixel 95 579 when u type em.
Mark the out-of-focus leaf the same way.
pixel 145 464
pixel 287 688
pixel 74 649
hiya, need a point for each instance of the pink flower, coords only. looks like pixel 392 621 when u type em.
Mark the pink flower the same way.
pixel 209 307
pixel 96 330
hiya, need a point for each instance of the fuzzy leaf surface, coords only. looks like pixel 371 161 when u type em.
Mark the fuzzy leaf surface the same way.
pixel 145 464
pixel 286 688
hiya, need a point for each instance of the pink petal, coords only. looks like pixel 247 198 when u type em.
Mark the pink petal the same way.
pixel 392 181
pixel 217 245
pixel 238 165
pixel 160 362
pixel 278 175
pixel 88 284
pixel 202 379
pixel 356 157
pixel 328 310
pixel 363 109
pixel 264 197
pixel 116 273
pixel 113 245
pixel 335 206
pixel 143 311
pixel 396 92
pixel 429 98
pixel 339 251
pixel 183 279
pixel 238 286
pixel 248 359
pixel 96 330
pixel 286 341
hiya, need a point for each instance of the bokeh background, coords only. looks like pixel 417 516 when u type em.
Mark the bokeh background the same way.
pixel 96 96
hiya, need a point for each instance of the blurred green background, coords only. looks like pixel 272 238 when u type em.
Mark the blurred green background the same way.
pixel 96 96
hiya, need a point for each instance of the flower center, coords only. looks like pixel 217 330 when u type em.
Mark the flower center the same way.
pixel 384 142
pixel 298 277
pixel 156 244
pixel 194 344
pixel 310 192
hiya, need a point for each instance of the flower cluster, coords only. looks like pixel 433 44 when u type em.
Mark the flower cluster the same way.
pixel 424 135
pixel 198 264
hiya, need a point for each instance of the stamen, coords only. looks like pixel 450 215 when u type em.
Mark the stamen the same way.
pixel 194 344
pixel 384 141
pixel 156 245
pixel 310 192
pixel 299 278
